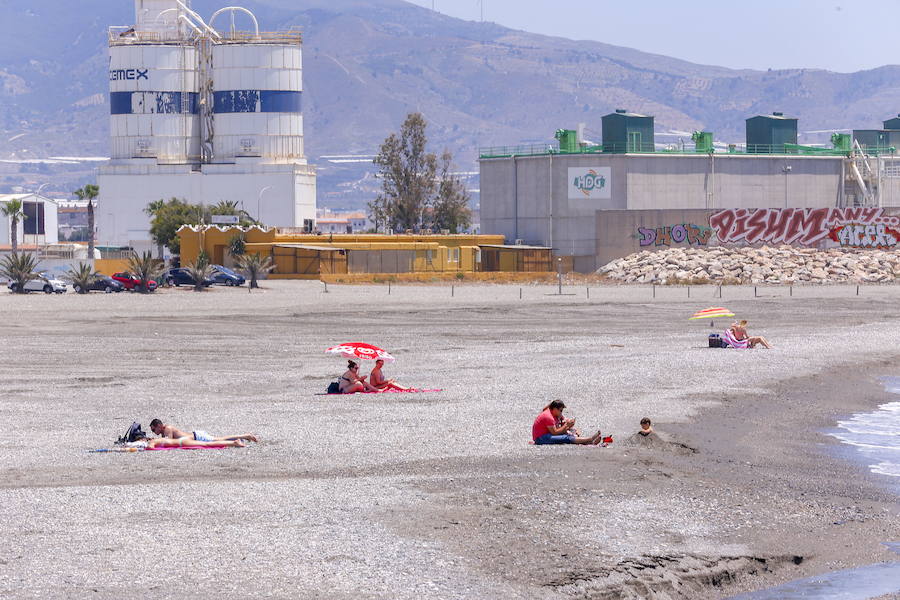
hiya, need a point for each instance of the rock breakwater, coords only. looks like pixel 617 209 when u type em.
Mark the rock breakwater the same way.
pixel 774 265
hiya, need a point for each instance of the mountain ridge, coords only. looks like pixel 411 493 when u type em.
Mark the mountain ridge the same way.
pixel 367 64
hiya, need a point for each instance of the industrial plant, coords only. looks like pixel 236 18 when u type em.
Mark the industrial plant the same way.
pixel 204 111
pixel 592 203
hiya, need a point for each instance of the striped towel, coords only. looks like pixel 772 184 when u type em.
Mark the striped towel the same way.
pixel 728 338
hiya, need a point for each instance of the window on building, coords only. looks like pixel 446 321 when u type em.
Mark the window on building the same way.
pixel 477 255
pixel 453 255
pixel 34 218
pixel 429 256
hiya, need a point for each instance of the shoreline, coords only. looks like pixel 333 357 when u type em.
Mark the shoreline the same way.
pixel 791 506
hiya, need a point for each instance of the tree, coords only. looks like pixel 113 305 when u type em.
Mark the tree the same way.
pixel 200 271
pixel 89 192
pixel 152 210
pixel 13 210
pixel 82 277
pixel 146 269
pixel 168 217
pixel 20 268
pixel 230 207
pixel 237 245
pixel 451 206
pixel 407 173
pixel 255 265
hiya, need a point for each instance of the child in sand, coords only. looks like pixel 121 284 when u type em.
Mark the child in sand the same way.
pixel 646 427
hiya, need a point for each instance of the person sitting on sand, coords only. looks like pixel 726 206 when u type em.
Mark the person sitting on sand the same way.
pixel 550 427
pixel 646 427
pixel 740 331
pixel 172 432
pixel 352 382
pixel 184 442
pixel 377 380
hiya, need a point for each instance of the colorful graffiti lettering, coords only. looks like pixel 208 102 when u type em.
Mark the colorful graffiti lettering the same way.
pixel 801 226
pixel 857 235
pixel 694 235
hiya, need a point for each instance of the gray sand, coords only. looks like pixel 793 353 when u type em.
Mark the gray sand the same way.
pixel 437 495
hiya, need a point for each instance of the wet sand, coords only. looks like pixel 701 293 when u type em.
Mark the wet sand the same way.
pixel 439 495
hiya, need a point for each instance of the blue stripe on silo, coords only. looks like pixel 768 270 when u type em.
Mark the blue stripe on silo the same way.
pixel 149 103
pixel 252 101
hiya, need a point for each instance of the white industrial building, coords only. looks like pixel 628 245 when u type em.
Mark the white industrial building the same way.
pixel 37 228
pixel 204 115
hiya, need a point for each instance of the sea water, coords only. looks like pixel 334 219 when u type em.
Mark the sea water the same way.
pixel 876 437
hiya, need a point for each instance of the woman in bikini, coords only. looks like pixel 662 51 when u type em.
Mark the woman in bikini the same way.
pixel 740 332
pixel 377 380
pixel 186 442
pixel 351 382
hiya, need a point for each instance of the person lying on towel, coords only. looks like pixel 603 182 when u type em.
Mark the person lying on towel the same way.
pixel 378 381
pixel 184 442
pixel 550 427
pixel 172 432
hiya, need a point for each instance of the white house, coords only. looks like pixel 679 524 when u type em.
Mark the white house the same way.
pixel 40 225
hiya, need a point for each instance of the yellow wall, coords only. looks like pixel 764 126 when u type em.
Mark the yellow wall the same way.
pixel 214 239
pixel 108 266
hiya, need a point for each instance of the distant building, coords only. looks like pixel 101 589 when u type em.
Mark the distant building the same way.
pixel 73 219
pixel 38 228
pixel 352 222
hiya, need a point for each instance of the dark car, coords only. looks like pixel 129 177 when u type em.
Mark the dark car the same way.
pixel 131 282
pixel 225 276
pixel 182 276
pixel 102 283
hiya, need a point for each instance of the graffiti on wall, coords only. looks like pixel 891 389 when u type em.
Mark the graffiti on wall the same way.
pixel 693 235
pixel 853 227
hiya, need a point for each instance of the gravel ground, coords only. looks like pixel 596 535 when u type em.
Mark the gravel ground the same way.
pixel 430 495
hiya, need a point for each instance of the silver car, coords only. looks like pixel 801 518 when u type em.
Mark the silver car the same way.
pixel 44 283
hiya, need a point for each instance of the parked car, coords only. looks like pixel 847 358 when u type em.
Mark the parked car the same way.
pixel 102 284
pixel 225 276
pixel 45 283
pixel 131 282
pixel 181 276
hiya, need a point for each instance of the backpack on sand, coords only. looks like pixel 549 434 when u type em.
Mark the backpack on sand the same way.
pixel 134 433
pixel 334 388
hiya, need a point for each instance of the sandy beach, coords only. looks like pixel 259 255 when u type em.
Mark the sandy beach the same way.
pixel 440 495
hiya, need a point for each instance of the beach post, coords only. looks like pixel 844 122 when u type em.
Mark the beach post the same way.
pixel 654 290
pixel 720 290
pixel 389 287
pixel 588 289
pixel 326 286
pixel 520 293
pixel 857 290
pixel 689 291
pixel 791 287
pixel 452 291
pixel 754 291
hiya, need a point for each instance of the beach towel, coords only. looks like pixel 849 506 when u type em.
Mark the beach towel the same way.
pixel 155 449
pixel 728 338
pixel 410 391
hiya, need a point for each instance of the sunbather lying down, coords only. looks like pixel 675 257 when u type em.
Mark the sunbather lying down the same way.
pixel 185 442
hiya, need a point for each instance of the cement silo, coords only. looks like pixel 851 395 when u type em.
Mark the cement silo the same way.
pixel 257 99
pixel 203 115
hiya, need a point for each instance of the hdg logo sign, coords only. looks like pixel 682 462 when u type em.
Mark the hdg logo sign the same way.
pixel 128 74
pixel 589 182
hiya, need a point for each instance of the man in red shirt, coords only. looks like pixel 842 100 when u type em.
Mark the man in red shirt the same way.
pixel 551 428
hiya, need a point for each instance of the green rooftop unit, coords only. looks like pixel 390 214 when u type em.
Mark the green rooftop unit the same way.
pixel 892 123
pixel 703 141
pixel 842 142
pixel 767 134
pixel 880 140
pixel 568 140
pixel 627 132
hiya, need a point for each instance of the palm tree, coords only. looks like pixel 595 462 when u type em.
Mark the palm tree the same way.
pixel 146 269
pixel 89 192
pixel 151 211
pixel 254 265
pixel 20 268
pixel 200 270
pixel 82 277
pixel 13 210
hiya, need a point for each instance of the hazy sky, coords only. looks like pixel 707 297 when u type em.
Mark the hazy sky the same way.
pixel 838 35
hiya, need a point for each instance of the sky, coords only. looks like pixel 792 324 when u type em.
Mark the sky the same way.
pixel 837 35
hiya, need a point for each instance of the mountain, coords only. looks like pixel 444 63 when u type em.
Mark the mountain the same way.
pixel 368 63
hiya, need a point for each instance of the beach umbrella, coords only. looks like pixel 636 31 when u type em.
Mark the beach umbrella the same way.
pixel 360 350
pixel 711 313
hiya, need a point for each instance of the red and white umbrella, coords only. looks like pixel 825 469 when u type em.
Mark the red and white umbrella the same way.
pixel 361 351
